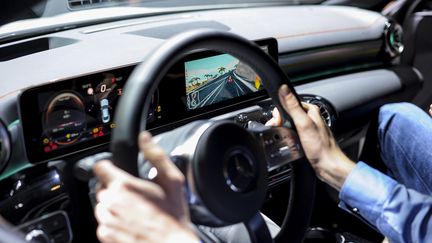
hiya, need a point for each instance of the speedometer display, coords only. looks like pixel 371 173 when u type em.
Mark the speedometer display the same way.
pixel 65 119
pixel 71 115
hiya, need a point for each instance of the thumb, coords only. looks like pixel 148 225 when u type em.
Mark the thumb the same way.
pixel 276 120
pixel 107 172
pixel 293 107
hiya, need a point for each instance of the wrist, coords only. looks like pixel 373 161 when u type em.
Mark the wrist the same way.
pixel 337 168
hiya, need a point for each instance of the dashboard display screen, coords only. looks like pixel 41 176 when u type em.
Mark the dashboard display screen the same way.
pixel 218 78
pixel 75 113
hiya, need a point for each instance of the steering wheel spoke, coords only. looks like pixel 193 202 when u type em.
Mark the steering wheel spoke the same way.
pixel 258 230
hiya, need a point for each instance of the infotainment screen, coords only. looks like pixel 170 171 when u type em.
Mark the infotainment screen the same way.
pixel 218 78
pixel 75 113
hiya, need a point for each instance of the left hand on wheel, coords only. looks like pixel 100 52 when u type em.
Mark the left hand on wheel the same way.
pixel 131 209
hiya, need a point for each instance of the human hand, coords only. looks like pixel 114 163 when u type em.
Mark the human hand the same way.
pixel 329 162
pixel 131 209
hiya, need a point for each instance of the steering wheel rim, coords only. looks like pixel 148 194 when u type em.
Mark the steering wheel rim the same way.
pixel 145 79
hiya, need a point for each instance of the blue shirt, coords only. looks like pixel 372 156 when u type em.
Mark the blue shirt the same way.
pixel 401 214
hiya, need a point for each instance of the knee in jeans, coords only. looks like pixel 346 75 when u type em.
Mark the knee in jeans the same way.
pixel 396 115
pixel 404 109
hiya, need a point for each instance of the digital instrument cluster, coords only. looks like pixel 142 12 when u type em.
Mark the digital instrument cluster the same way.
pixel 72 115
pixel 60 117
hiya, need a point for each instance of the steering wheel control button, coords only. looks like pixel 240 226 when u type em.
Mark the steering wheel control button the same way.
pixel 257 117
pixel 37 235
pixel 281 145
pixel 239 170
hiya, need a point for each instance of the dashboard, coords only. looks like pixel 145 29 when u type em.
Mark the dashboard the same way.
pixel 58 113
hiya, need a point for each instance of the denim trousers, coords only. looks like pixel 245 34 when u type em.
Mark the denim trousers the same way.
pixel 405 140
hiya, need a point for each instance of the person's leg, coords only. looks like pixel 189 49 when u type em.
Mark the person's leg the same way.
pixel 405 137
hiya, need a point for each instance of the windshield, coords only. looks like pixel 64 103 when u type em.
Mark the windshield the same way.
pixel 48 8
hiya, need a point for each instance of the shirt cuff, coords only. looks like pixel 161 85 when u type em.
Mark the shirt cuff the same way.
pixel 366 190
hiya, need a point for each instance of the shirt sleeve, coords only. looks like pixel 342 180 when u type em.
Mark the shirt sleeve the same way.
pixel 401 214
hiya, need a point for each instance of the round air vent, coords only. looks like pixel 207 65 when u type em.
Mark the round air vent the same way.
pixel 393 37
pixel 326 109
pixel 5 145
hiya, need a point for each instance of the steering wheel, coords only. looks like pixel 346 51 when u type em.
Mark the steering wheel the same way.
pixel 224 164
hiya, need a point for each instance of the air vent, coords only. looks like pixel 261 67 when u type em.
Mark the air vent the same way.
pixel 326 109
pixel 5 146
pixel 393 35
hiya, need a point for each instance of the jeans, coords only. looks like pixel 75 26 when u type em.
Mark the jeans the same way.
pixel 405 139
pixel 400 207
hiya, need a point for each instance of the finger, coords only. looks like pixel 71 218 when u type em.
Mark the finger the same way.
pixel 276 120
pixel 104 215
pixel 110 231
pixel 313 112
pixel 109 174
pixel 293 108
pixel 430 110
pixel 119 194
pixel 271 122
pixel 99 186
pixel 106 172
pixel 305 106
pixel 168 174
pixel 107 234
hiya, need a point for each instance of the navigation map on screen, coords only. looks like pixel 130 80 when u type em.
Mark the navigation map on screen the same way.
pixel 214 79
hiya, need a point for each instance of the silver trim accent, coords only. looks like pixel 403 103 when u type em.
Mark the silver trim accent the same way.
pixel 187 149
pixel 393 38
pixel 5 145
